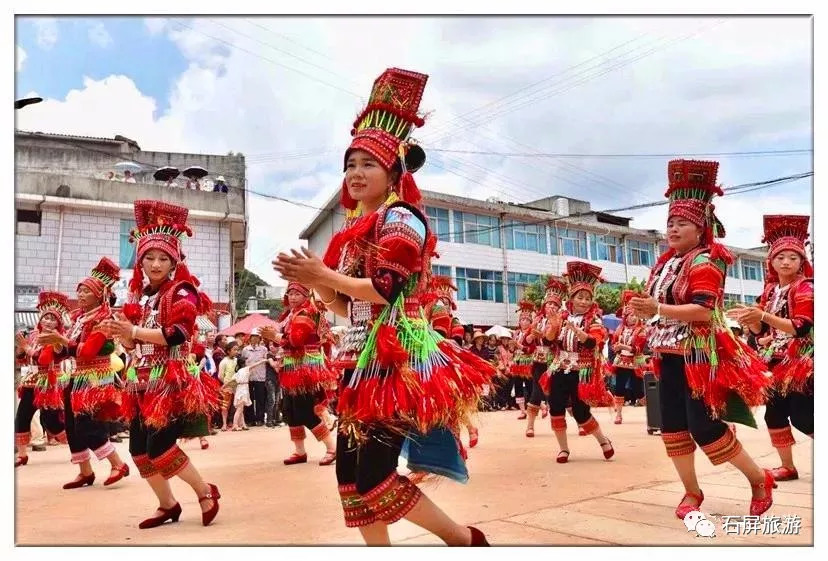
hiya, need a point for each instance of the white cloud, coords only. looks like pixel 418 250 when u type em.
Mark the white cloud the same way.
pixel 19 59
pixel 47 32
pixel 709 93
pixel 99 35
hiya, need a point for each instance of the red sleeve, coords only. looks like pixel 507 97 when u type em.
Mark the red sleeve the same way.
pixel 400 240
pixel 181 320
pixel 301 327
pixel 706 282
pixel 802 314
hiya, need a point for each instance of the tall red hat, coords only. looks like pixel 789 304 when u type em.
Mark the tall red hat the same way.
pixel 103 276
pixel 300 288
pixel 581 275
pixel 692 186
pixel 526 309
pixel 555 290
pixel 55 303
pixel 384 127
pixel 158 225
pixel 786 232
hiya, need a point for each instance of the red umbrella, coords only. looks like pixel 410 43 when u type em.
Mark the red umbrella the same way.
pixel 248 324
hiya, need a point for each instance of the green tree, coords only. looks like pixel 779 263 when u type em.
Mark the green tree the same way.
pixel 534 292
pixel 245 286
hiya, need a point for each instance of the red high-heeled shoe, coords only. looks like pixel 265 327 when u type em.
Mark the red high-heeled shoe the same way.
pixel 608 453
pixel 118 473
pixel 80 481
pixel 296 459
pixel 213 495
pixel 783 473
pixel 760 506
pixel 683 510
pixel 21 461
pixel 168 514
pixel 562 459
pixel 478 538
pixel 204 444
pixel 474 436
pixel 328 458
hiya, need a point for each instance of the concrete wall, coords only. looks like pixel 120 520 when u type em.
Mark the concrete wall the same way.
pixel 89 234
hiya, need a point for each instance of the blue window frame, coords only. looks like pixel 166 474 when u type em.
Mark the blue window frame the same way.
pixel 517 283
pixel 479 284
pixel 438 221
pixel 476 228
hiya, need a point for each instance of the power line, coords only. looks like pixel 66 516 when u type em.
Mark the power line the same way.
pixel 627 155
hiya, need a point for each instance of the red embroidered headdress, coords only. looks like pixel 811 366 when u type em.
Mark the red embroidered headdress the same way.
pixel 786 233
pixel 384 127
pixel 555 291
pixel 526 309
pixel 300 288
pixel 55 303
pixel 101 279
pixel 158 225
pixel 692 186
pixel 581 275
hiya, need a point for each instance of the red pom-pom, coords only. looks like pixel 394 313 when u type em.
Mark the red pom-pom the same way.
pixel 389 350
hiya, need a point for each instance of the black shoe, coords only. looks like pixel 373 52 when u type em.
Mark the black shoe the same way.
pixel 39 448
pixel 115 438
pixel 278 424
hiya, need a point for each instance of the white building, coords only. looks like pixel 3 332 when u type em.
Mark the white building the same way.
pixel 67 218
pixel 493 249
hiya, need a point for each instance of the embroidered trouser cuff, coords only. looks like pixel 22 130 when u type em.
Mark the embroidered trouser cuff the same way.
pixel 558 423
pixel 22 438
pixel 172 462
pixel 357 513
pixel 392 499
pixel 297 433
pixel 590 425
pixel 104 451
pixel 320 431
pixel 782 438
pixel 724 449
pixel 80 457
pixel 678 443
pixel 145 466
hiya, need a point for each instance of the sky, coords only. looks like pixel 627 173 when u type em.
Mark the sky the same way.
pixel 285 90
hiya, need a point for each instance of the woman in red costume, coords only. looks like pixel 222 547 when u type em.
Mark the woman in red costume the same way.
pixel 707 375
pixel 526 340
pixel 404 386
pixel 305 374
pixel 163 398
pixel 628 342
pixel 784 324
pixel 39 390
pixel 90 398
pixel 546 330
pixel 575 376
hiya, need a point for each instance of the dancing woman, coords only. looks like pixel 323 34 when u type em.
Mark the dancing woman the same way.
pixel 628 342
pixel 784 323
pixel 403 383
pixel 705 372
pixel 164 398
pixel 39 389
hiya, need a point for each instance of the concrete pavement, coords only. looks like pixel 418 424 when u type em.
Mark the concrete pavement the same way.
pixel 517 494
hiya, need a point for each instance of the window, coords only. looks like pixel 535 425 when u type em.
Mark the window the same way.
pixel 730 299
pixel 27 222
pixel 438 221
pixel 606 248
pixel 528 237
pixel 477 284
pixel 573 242
pixel 640 253
pixel 517 283
pixel 25 297
pixel 441 270
pixel 126 255
pixel 751 270
pixel 733 271
pixel 476 228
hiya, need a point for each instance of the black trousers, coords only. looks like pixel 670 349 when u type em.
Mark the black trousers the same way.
pixel 796 406
pixel 149 441
pixel 82 431
pixel 622 377
pixel 536 395
pixel 369 462
pixel 258 395
pixel 679 410
pixel 49 418
pixel 563 393
pixel 502 392
pixel 523 387
pixel 298 410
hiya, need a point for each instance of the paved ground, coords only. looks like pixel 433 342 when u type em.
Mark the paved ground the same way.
pixel 517 495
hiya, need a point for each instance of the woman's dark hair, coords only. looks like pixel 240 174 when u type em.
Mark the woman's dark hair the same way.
pixel 112 300
pixel 219 341
pixel 230 346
